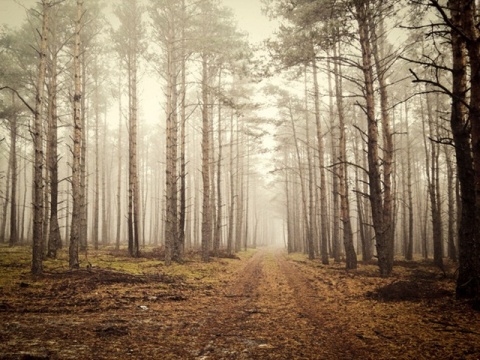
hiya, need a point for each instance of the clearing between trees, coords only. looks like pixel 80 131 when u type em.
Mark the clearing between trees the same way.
pixel 264 305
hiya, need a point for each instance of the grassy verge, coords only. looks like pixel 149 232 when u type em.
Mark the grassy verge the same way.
pixel 15 263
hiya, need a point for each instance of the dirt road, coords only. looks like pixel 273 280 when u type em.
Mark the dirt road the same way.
pixel 271 312
pixel 268 307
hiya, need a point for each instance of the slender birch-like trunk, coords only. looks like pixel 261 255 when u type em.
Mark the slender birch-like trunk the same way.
pixel 38 209
pixel 77 140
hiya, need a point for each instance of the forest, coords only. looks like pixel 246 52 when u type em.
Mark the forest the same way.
pixel 159 158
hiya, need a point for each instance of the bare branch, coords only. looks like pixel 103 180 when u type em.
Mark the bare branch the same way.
pixel 20 97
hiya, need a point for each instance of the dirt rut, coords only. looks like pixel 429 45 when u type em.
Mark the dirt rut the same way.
pixel 272 312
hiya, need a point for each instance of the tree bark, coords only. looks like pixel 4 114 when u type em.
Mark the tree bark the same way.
pixel 382 227
pixel 321 163
pixel 301 174
pixel 119 170
pixel 388 147
pixel 83 196
pixel 470 24
pixel 350 254
pixel 6 200
pixel 133 24
pixel 77 140
pixel 311 213
pixel 14 176
pixel 409 249
pixel 54 239
pixel 218 223
pixel 451 248
pixel 183 120
pixel 96 201
pixel 468 281
pixel 206 210
pixel 38 210
pixel 231 211
pixel 171 226
pixel 431 161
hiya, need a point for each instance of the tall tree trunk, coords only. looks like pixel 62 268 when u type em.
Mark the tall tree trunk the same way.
pixel 388 147
pixel 335 245
pixel 24 205
pixel 451 248
pixel 183 162
pixel 46 195
pixel 218 223
pixel 382 227
pixel 311 213
pixel 239 188
pixel 470 26
pixel 14 176
pixel 301 174
pixel 231 224
pixel 409 250
pixel 350 254
pixel 6 200
pixel 321 162
pixel 83 197
pixel 468 281
pixel 106 195
pixel 54 239
pixel 171 226
pixel 246 196
pixel 96 202
pixel 77 140
pixel 366 248
pixel 431 159
pixel 134 164
pixel 38 210
pixel 206 210
pixel 212 165
pixel 290 239
pixel 119 170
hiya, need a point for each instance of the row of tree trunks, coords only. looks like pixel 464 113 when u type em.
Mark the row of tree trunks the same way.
pixel 86 72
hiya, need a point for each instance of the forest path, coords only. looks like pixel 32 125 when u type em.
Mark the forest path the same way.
pixel 271 311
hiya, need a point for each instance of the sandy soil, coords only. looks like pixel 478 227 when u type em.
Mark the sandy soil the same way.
pixel 268 307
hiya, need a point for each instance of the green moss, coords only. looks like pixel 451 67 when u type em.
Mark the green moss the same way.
pixel 15 264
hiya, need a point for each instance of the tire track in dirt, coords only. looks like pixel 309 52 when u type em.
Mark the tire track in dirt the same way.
pixel 225 331
pixel 325 307
pixel 270 311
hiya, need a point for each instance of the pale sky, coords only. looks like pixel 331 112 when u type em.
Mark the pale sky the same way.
pixel 251 19
pixel 247 12
pixel 12 12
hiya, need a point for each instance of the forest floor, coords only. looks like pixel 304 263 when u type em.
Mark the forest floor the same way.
pixel 264 305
